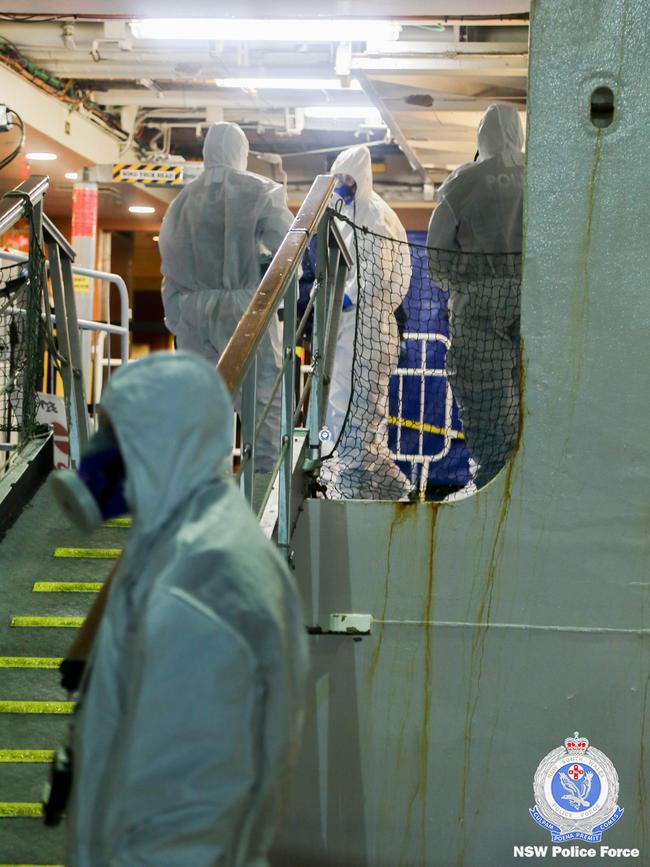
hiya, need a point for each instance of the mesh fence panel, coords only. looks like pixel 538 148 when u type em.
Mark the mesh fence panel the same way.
pixel 21 352
pixel 433 382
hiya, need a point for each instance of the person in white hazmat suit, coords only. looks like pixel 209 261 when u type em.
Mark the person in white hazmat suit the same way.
pixel 367 470
pixel 190 710
pixel 479 210
pixel 212 243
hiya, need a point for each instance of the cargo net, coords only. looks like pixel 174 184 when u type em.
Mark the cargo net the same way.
pixel 21 352
pixel 433 385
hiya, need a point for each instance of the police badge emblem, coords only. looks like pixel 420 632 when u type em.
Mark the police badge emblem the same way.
pixel 576 789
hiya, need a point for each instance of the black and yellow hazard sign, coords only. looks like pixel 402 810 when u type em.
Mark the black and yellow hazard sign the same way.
pixel 152 174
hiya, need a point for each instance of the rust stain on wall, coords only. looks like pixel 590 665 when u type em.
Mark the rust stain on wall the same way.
pixel 483 617
pixel 402 511
pixel 422 779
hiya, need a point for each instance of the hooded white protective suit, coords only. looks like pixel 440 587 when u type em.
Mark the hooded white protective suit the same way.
pixel 480 208
pixel 191 710
pixel 367 472
pixel 211 243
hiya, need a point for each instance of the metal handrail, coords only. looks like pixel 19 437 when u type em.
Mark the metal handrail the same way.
pixel 12 206
pixel 242 347
pixel 91 325
pixel 238 362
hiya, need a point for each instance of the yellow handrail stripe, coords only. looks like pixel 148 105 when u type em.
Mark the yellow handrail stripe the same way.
pixel 427 428
pixel 30 662
pixel 67 586
pixel 23 756
pixel 13 809
pixel 118 522
pixel 58 707
pixel 89 553
pixel 66 622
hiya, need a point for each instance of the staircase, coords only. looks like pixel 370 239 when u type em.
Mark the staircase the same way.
pixel 49 573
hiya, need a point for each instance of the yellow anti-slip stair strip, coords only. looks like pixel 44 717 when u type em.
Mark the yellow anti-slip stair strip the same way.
pixel 26 756
pixel 16 809
pixel 62 707
pixel 88 553
pixel 67 586
pixel 118 522
pixel 57 622
pixel 30 662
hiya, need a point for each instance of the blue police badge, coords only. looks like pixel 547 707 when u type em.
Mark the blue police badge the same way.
pixel 576 789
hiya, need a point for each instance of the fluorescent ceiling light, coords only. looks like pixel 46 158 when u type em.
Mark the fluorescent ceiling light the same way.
pixel 287 83
pixel 266 29
pixel 38 156
pixel 142 209
pixel 367 113
pixel 71 176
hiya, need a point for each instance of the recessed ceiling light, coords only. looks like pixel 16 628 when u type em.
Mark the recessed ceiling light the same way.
pixel 142 209
pixel 266 29
pixel 368 114
pixel 71 176
pixel 287 83
pixel 40 156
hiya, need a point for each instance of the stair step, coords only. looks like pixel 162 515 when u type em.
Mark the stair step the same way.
pixel 23 784
pixel 30 661
pixel 47 622
pixel 88 553
pixel 9 809
pixel 118 522
pixel 20 706
pixel 26 756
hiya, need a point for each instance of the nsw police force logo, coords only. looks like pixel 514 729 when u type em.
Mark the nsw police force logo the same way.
pixel 576 789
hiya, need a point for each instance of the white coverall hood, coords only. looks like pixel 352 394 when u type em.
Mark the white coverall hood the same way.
pixel 164 470
pixel 499 131
pixel 356 162
pixel 225 146
pixel 189 717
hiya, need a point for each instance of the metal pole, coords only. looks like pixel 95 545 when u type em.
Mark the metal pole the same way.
pixel 63 341
pixel 318 344
pixel 286 425
pixel 247 440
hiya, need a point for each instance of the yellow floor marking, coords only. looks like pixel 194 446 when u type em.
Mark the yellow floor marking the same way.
pixel 88 553
pixel 30 662
pixel 67 622
pixel 427 428
pixel 67 586
pixel 118 522
pixel 26 755
pixel 7 808
pixel 63 707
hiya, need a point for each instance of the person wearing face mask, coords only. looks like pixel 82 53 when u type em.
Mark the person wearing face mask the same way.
pixel 190 710
pixel 479 211
pixel 213 241
pixel 362 465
